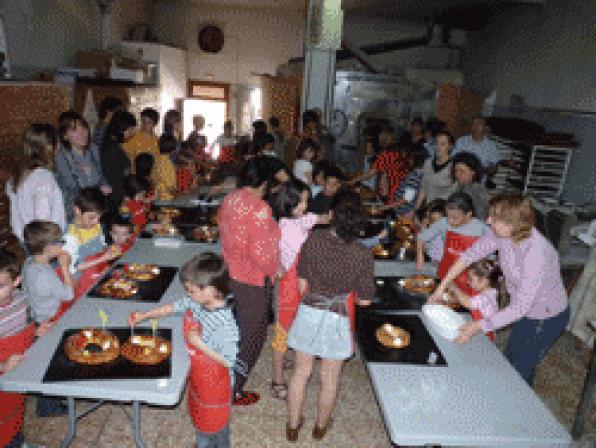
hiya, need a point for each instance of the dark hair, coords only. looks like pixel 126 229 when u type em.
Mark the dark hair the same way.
pixel 206 269
pixel 437 206
pixel 418 158
pixel 276 165
pixel 39 234
pixel 320 167
pixel 418 121
pixel 133 186
pixel 227 124
pixel 150 113
pixel 460 201
pixel 144 165
pixel 333 171
pixel 9 263
pixel 274 122
pixel 487 268
pixel 169 118
pixel 447 134
pixel 471 161
pixel 434 125
pixel 90 199
pixel 121 221
pixel 245 147
pixel 267 139
pixel 421 213
pixel 287 198
pixel 167 144
pixel 304 145
pixel 119 124
pixel 109 104
pixel 255 172
pixel 67 121
pixel 309 116
pixel 259 126
pixel 349 218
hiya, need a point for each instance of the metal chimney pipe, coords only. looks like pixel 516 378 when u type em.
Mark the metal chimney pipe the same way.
pixel 105 11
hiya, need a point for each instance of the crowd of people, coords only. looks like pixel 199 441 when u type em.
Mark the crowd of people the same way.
pixel 291 240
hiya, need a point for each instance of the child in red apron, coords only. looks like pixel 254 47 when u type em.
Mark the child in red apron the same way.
pixel 135 201
pixel 289 206
pixel 486 278
pixel 212 337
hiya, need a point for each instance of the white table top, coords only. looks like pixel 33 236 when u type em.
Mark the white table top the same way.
pixel 477 400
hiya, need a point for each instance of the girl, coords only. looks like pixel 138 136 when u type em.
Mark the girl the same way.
pixel 307 151
pixel 32 189
pixel 466 172
pixel 186 170
pixel 486 277
pixel 135 202
pixel 289 206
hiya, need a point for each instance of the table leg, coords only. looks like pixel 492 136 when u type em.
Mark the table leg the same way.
pixel 136 423
pixel 586 399
pixel 72 423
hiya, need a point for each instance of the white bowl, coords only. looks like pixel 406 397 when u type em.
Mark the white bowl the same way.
pixel 444 320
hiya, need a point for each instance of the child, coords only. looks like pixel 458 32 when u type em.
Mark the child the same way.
pixel 16 335
pixel 84 236
pixel 407 192
pixel 318 176
pixel 135 202
pixel 458 222
pixel 431 214
pixel 44 289
pixel 289 206
pixel 307 151
pixel 186 169
pixel 210 329
pixel 164 174
pixel 144 141
pixel 121 232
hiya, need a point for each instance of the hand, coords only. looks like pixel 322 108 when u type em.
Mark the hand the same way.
pixel 363 302
pixel 467 331
pixel 324 219
pixel 383 234
pixel 12 362
pixel 44 328
pixel 106 189
pixel 134 318
pixel 436 296
pixel 419 265
pixel 63 259
pixel 113 252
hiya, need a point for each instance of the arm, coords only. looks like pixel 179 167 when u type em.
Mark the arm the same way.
pixel 419 254
pixel 161 311
pixel 11 363
pixel 302 286
pixel 111 253
pixel 464 299
pixel 195 340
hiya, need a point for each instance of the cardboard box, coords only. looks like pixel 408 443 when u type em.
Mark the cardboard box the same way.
pixel 96 59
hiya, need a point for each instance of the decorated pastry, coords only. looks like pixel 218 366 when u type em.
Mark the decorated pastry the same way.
pixel 146 350
pixel 92 347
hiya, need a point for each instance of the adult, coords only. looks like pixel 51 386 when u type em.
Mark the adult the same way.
pixel 227 144
pixel 480 145
pixel 172 126
pixel 436 177
pixel 322 202
pixel 107 108
pixel 33 191
pixel 414 139
pixel 433 126
pixel 333 268
pixel 250 248
pixel 144 140
pixel 114 161
pixel 77 163
pixel 280 145
pixel 466 172
pixel 539 309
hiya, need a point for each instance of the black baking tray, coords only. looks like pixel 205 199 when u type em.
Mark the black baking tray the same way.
pixel 192 217
pixel 185 231
pixel 63 369
pixel 372 228
pixel 149 291
pixel 421 347
pixel 391 296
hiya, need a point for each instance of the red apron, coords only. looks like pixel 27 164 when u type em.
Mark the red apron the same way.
pixel 455 245
pixel 351 310
pixel 288 297
pixel 209 388
pixel 227 154
pixel 12 406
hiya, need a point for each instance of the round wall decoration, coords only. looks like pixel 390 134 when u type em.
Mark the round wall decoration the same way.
pixel 211 39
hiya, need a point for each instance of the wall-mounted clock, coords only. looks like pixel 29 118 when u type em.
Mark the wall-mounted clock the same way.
pixel 211 39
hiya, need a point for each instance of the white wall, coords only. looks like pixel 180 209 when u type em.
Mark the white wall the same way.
pixel 47 33
pixel 546 54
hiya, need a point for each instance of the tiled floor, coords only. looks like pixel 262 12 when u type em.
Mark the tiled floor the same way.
pixel 357 422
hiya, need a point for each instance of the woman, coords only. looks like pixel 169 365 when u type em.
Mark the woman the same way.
pixel 114 161
pixel 32 190
pixel 172 125
pixel 77 164
pixel 333 267
pixel 539 309
pixel 250 248
pixel 466 172
pixel 436 177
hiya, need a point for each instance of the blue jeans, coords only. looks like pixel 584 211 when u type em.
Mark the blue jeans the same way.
pixel 219 439
pixel 17 440
pixel 530 340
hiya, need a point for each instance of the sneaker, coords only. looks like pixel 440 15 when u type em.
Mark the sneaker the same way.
pixel 245 398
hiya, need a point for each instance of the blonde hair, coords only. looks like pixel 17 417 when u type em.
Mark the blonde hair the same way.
pixel 514 209
pixel 39 142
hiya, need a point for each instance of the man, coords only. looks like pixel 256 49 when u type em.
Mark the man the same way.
pixel 323 201
pixel 280 144
pixel 144 140
pixel 478 144
pixel 108 107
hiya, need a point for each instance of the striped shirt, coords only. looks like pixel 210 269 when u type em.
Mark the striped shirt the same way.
pixel 413 180
pixel 219 329
pixel 13 316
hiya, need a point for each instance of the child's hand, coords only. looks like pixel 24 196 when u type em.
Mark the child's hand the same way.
pixel 419 264
pixel 13 362
pixel 113 252
pixel 63 259
pixel 134 318
pixel 44 328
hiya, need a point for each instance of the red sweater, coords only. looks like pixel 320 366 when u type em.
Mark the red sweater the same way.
pixel 249 237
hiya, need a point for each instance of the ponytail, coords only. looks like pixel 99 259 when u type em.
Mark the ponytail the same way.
pixel 490 269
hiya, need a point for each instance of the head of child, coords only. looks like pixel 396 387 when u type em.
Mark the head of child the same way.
pixel 333 181
pixel 485 274
pixel 459 209
pixel 186 160
pixel 144 165
pixel 444 144
pixel 89 206
pixel 10 270
pixel 172 123
pixel 266 144
pixel 43 239
pixel 417 159
pixel 310 122
pixel 436 210
pixel 291 201
pixel 466 168
pixel 149 120
pixel 385 138
pixel 318 172
pixel 135 189
pixel 307 150
pixel 198 122
pixel 167 144
pixel 73 130
pixel 121 129
pixel 206 279
pixel 120 230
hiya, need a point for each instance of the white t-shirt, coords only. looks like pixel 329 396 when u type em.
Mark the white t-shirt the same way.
pixel 485 150
pixel 301 168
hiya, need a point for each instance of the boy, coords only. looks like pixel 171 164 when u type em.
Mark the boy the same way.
pixel 205 279
pixel 135 201
pixel 121 230
pixel 44 289
pixel 164 173
pixel 84 236
pixel 144 140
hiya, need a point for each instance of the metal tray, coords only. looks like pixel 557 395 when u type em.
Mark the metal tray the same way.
pixel 63 369
pixel 390 295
